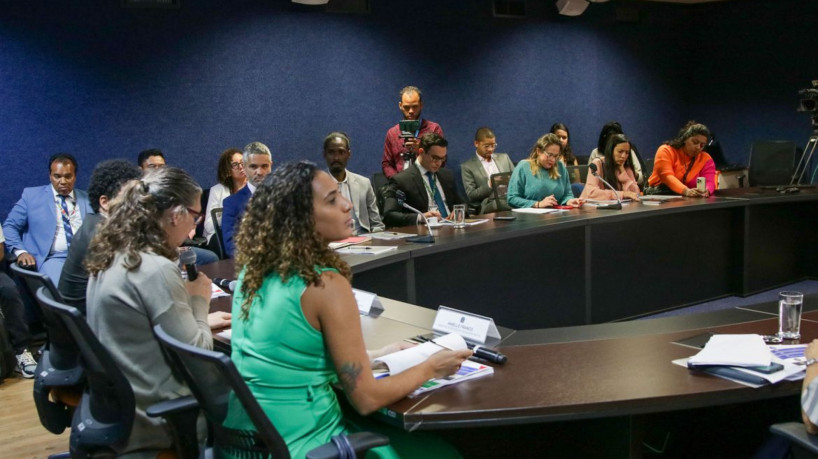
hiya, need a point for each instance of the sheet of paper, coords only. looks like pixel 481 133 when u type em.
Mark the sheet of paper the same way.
pixel 734 350
pixel 403 360
pixel 531 210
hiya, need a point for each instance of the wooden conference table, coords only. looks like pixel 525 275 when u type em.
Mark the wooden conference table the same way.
pixel 553 278
pixel 588 266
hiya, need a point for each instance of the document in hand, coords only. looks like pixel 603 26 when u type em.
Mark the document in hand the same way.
pixel 400 361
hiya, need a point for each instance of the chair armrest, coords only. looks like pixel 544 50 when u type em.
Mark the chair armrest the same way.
pixel 181 415
pixel 361 442
pixel 796 433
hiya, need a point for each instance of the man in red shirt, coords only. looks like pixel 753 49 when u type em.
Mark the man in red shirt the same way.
pixel 398 151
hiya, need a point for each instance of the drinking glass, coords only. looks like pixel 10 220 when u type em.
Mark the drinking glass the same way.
pixel 790 305
pixel 459 215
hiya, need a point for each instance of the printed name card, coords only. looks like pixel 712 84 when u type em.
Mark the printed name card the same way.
pixel 368 303
pixel 473 327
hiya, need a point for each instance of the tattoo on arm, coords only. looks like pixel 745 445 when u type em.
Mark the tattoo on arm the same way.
pixel 348 375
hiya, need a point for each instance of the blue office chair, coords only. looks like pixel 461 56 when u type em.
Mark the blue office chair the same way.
pixel 214 380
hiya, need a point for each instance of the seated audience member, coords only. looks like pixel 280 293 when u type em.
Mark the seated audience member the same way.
pixel 11 305
pixel 298 329
pixel 477 171
pixel 150 159
pixel 541 180
pixel 809 394
pixel 40 227
pixel 610 128
pixel 153 159
pixel 568 158
pixel 106 180
pixel 681 161
pixel 232 178
pixel 616 168
pixel 136 284
pixel 355 188
pixel 426 183
pixel 258 162
pixel 400 152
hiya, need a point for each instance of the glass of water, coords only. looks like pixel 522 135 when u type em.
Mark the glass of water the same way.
pixel 790 305
pixel 459 215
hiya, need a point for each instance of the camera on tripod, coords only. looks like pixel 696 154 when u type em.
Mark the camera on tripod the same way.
pixel 809 102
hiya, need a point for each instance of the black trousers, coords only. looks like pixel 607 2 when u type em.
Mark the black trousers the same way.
pixel 14 312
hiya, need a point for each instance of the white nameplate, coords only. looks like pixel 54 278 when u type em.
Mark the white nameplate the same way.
pixel 473 327
pixel 368 303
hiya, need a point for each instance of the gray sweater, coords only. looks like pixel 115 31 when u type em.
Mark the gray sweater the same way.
pixel 123 307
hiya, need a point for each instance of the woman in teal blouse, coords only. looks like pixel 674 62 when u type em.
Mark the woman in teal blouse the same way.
pixel 298 329
pixel 541 180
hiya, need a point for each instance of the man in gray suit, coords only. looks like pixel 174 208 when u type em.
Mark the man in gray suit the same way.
pixel 477 170
pixel 356 188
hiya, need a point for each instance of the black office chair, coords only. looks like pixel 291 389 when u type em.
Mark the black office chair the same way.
pixel 802 444
pixel 59 376
pixel 772 162
pixel 213 377
pixel 499 190
pixel 379 181
pixel 103 420
pixel 216 216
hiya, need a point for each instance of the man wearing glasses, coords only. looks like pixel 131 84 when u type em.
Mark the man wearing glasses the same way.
pixel 477 170
pixel 258 163
pixel 426 185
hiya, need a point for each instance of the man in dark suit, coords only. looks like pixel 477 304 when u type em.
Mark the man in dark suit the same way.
pixel 42 223
pixel 258 162
pixel 425 183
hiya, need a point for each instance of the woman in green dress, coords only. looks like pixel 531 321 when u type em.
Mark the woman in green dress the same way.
pixel 298 329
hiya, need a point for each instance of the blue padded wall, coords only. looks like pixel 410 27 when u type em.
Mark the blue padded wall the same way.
pixel 102 82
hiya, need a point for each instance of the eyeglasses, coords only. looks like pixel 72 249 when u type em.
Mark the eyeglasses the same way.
pixel 197 216
pixel 437 159
pixel 551 155
pixel 489 146
pixel 237 165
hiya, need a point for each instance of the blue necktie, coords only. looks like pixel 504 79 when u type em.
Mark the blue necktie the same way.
pixel 441 206
pixel 66 222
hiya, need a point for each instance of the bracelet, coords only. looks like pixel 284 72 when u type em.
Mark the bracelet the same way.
pixel 810 362
pixel 535 204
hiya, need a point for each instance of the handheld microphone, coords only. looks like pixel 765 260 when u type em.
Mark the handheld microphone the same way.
pixel 188 259
pixel 618 205
pixel 488 354
pixel 224 284
pixel 400 196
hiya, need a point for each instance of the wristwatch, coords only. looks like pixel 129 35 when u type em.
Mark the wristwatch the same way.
pixel 810 362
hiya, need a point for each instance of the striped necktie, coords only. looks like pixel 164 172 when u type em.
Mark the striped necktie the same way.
pixel 66 222
pixel 441 206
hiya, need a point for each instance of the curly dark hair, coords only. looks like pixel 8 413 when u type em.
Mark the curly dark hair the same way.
pixel 277 233
pixel 133 223
pixel 108 177
pixel 226 168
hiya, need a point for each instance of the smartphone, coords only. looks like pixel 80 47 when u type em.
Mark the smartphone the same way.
pixel 701 185
pixel 505 217
pixel 768 369
pixel 565 207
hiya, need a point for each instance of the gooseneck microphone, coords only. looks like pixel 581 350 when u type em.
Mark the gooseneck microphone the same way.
pixel 400 196
pixel 188 259
pixel 226 285
pixel 618 205
pixel 489 354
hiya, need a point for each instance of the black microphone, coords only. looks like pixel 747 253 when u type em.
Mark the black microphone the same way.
pixel 188 259
pixel 400 196
pixel 224 284
pixel 488 354
pixel 618 205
